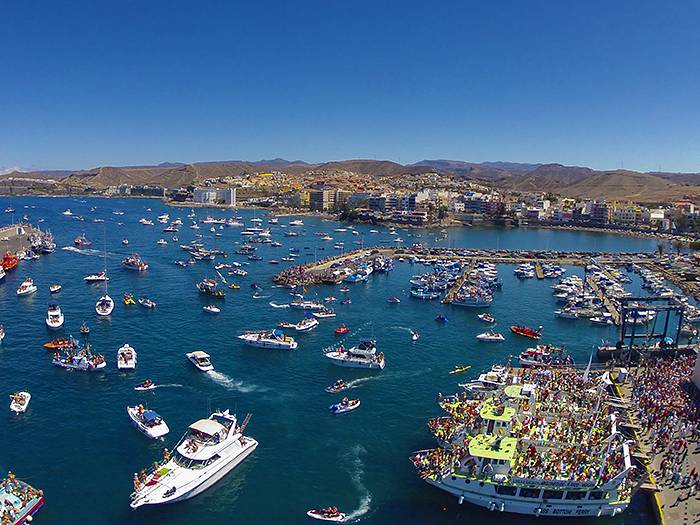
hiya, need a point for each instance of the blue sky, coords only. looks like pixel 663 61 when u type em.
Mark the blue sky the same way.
pixel 602 84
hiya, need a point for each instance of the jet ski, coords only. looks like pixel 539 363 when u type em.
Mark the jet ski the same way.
pixel 336 387
pixel 145 386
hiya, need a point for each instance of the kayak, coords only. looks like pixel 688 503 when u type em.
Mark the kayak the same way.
pixel 339 408
pixel 320 515
pixel 460 369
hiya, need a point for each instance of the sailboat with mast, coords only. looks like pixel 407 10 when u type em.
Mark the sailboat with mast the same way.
pixel 105 305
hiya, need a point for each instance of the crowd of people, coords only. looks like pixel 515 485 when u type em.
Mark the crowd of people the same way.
pixel 12 510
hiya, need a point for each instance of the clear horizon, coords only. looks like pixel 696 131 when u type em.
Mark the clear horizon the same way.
pixel 599 85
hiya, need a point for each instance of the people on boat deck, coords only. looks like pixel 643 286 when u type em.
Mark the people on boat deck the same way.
pixel 147 383
pixel 330 512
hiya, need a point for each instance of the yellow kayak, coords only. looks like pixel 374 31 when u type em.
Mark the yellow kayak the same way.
pixel 460 369
pixel 234 286
pixel 129 299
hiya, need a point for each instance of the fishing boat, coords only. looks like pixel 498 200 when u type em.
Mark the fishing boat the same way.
pixel 126 358
pixel 148 421
pixel 99 277
pixel 491 337
pixel 209 450
pixel 82 241
pixel 201 360
pixel 345 405
pixel 19 401
pixel 104 306
pixel 145 386
pixel 526 331
pixel 545 356
pixel 306 325
pixel 393 300
pixel 19 501
pixel 54 316
pixel 9 261
pixel 134 262
pixel 336 387
pixel 212 309
pixel 342 330
pixel 327 514
pixel 128 298
pixel 147 303
pixel 269 339
pixel 487 318
pixel 361 356
pixel 26 288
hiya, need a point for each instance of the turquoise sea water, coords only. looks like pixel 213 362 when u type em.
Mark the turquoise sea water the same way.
pixel 76 441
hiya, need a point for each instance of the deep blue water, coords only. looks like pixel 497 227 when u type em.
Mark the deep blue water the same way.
pixel 76 441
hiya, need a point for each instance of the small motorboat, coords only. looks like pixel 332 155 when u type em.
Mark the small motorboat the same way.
pixel 393 300
pixel 491 337
pixel 326 313
pixel 460 369
pixel 84 329
pixel 342 330
pixel 441 318
pixel 201 360
pixel 346 405
pixel 2 333
pixel 210 308
pixel 345 289
pixel 347 300
pixel 19 401
pixel 487 318
pixel 128 298
pixel 162 242
pixel 104 306
pixel 148 421
pixel 306 325
pixel 526 331
pixel 327 514
pixel 145 386
pixel 125 241
pixel 126 358
pixel 336 387
pixel 414 335
pixel 96 277
pixel 26 288
pixel 147 303
pixel 55 288
pixel 54 317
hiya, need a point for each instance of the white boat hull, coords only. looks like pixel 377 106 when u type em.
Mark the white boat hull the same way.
pixel 17 408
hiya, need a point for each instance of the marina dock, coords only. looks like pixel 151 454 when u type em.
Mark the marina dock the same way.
pixel 449 297
pixel 609 305
pixel 15 237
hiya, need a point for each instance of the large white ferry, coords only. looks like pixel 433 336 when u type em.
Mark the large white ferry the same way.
pixel 533 447
pixel 209 450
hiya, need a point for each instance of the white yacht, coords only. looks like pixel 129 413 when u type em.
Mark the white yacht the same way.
pixel 104 306
pixel 148 421
pixel 200 360
pixel 491 337
pixel 360 356
pixel 146 222
pixel 306 325
pixel 297 222
pixel 272 339
pixel 27 287
pixel 303 304
pixel 98 277
pixel 54 317
pixel 209 450
pixel 126 358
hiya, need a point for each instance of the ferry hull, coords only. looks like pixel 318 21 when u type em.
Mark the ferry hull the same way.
pixel 536 507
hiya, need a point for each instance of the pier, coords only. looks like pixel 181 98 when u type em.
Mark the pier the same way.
pixel 15 237
pixel 449 297
pixel 609 305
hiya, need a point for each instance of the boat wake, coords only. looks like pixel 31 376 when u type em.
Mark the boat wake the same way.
pixel 169 385
pixel 83 251
pixel 234 384
pixel 277 305
pixel 357 471
pixel 260 296
pixel 403 328
pixel 387 376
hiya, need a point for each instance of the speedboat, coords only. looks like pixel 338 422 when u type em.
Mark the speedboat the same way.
pixel 210 308
pixel 96 277
pixel 414 335
pixel 526 331
pixel 54 317
pixel 147 303
pixel 200 360
pixel 360 356
pixel 209 450
pixel 26 288
pixel 346 405
pixel 336 387
pixel 126 358
pixel 393 300
pixel 491 337
pixel 487 318
pixel 82 241
pixel 55 288
pixel 104 306
pixel 342 330
pixel 125 241
pixel 269 339
pixel 145 386
pixel 162 242
pixel 324 314
pixel 19 401
pixel 327 514
pixel 148 421
pixel 306 325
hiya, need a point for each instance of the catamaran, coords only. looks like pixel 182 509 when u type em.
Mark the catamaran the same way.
pixel 209 450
